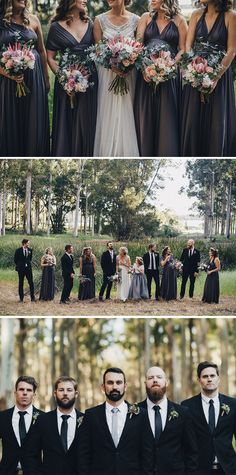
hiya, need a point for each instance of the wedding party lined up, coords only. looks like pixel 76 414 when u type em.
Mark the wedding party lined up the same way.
pixel 134 282
pixel 125 85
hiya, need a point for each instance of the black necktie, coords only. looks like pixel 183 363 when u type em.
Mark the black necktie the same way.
pixel 211 420
pixel 64 430
pixel 22 428
pixel 158 422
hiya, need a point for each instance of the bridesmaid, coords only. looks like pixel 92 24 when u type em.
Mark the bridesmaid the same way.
pixel 212 286
pixel 24 121
pixel 88 270
pixel 115 130
pixel 73 130
pixel 48 263
pixel 157 111
pixel 169 276
pixel 208 129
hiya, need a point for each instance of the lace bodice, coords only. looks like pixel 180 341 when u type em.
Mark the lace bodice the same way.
pixel 110 30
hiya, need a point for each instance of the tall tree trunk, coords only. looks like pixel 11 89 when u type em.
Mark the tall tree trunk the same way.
pixel 21 346
pixel 28 198
pixel 147 343
pixel 77 208
pixel 228 209
pixel 49 200
pixel 7 361
pixel 224 338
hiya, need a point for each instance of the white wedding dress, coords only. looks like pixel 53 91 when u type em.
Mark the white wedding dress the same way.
pixel 124 285
pixel 115 130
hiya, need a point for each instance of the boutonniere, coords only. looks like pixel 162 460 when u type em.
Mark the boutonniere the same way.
pixel 224 409
pixel 133 409
pixel 35 417
pixel 173 415
pixel 79 421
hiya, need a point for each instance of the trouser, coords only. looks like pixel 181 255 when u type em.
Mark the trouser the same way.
pixel 107 284
pixel 153 274
pixel 29 276
pixel 185 277
pixel 68 284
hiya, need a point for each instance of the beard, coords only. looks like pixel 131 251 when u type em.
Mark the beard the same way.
pixel 156 393
pixel 66 404
pixel 114 395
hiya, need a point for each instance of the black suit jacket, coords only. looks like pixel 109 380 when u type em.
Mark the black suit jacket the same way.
pixel 146 261
pixel 220 442
pixel 22 263
pixel 12 452
pixel 97 454
pixel 55 460
pixel 67 265
pixel 176 450
pixel 190 264
pixel 108 266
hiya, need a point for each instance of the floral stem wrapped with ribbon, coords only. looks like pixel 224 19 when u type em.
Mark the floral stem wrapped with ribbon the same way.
pixel 15 60
pixel 119 54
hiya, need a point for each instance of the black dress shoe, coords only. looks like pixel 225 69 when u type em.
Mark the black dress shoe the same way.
pixel 63 302
pixel 33 300
pixel 100 298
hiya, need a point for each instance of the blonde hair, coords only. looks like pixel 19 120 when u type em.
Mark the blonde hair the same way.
pixel 123 249
pixel 8 12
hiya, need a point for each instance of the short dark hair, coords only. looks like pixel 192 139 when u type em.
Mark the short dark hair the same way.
pixel 206 364
pixel 26 379
pixel 24 241
pixel 113 370
pixel 108 242
pixel 152 244
pixel 67 247
pixel 64 379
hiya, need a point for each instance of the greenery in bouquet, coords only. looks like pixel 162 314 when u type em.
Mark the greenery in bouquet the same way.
pixel 157 64
pixel 15 59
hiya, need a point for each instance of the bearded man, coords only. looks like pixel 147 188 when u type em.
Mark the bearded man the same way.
pixel 174 443
pixel 115 437
pixel 58 434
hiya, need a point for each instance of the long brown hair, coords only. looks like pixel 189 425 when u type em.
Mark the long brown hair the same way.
pixel 8 12
pixel 63 12
pixel 220 5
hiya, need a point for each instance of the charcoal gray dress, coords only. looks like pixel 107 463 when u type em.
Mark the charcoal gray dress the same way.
pixel 47 290
pixel 212 286
pixel 209 129
pixel 138 287
pixel 87 288
pixel 24 121
pixel 73 130
pixel 169 281
pixel 157 111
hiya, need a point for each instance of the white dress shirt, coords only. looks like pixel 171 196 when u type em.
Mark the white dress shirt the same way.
pixel 163 404
pixel 152 262
pixel 121 414
pixel 16 418
pixel 206 405
pixel 71 425
pixel 111 254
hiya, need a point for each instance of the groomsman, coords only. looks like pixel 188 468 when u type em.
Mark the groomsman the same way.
pixel 151 264
pixel 108 265
pixel 18 426
pixel 22 259
pixel 68 273
pixel 190 259
pixel 115 436
pixel 58 431
pixel 174 443
pixel 214 418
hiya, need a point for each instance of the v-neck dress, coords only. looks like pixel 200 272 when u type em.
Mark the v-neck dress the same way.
pixel 209 129
pixel 73 130
pixel 24 121
pixel 157 111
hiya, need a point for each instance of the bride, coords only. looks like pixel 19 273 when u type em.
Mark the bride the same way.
pixel 115 129
pixel 123 265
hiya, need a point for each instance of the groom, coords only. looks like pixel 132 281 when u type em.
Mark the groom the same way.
pixel 22 259
pixel 190 259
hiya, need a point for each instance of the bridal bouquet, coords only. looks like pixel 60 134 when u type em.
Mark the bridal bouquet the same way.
pixel 201 69
pixel 15 59
pixel 157 64
pixel 120 55
pixel 73 76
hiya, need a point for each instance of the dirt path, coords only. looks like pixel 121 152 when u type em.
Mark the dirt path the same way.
pixel 9 305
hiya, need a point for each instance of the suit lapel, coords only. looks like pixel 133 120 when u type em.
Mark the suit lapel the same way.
pixel 103 423
pixel 201 415
pixel 9 424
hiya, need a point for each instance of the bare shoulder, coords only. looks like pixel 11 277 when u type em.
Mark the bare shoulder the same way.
pixel 34 20
pixel 178 19
pixel 196 14
pixel 230 17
